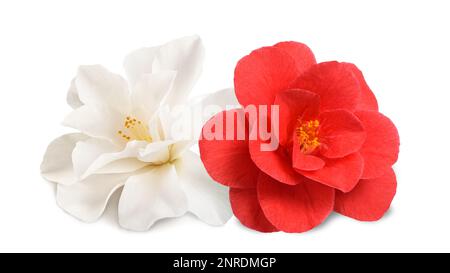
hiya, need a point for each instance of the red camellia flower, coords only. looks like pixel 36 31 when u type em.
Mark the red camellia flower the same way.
pixel 335 151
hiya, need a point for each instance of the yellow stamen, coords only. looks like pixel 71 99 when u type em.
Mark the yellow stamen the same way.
pixel 134 129
pixel 308 136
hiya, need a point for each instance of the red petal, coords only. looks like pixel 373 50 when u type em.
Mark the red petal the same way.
pixel 246 208
pixel 334 82
pixel 305 162
pixel 258 77
pixel 294 104
pixel 340 133
pixel 380 150
pixel 228 161
pixel 369 200
pixel 301 53
pixel 277 164
pixel 294 208
pixel 367 100
pixel 340 173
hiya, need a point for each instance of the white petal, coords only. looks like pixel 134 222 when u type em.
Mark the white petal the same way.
pixel 138 63
pixel 87 199
pixel 184 123
pixel 211 104
pixel 100 156
pixel 155 128
pixel 179 147
pixel 185 56
pixel 122 165
pixel 150 90
pixel 86 152
pixel 96 121
pixel 72 96
pixel 175 123
pixel 207 199
pixel 97 86
pixel 151 196
pixel 216 102
pixel 223 98
pixel 119 162
pixel 57 163
pixel 156 152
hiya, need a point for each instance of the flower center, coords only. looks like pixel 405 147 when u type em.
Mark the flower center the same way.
pixel 308 136
pixel 134 129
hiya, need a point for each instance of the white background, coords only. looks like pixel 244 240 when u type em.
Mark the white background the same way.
pixel 401 46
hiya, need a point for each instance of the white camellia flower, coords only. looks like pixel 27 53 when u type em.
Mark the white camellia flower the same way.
pixel 126 141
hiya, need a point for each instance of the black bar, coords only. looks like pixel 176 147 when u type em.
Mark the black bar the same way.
pixel 221 262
